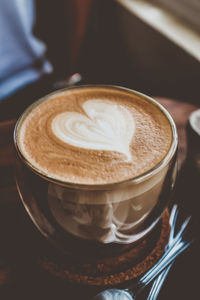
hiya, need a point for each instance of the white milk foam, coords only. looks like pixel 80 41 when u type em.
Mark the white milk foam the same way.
pixel 106 126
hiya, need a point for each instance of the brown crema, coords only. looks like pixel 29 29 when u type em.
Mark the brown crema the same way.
pixel 51 156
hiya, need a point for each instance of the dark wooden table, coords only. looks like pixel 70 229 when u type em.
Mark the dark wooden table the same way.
pixel 19 276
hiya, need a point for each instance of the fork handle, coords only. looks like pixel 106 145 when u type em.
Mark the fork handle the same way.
pixel 158 283
pixel 176 249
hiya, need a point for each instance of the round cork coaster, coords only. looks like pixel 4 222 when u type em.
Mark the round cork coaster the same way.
pixel 131 262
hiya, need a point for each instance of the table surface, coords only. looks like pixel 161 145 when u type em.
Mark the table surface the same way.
pixel 21 279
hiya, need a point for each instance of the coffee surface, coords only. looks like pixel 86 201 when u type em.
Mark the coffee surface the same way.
pixel 94 135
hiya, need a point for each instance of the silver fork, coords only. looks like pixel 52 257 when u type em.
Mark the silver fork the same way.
pixel 158 282
pixel 176 246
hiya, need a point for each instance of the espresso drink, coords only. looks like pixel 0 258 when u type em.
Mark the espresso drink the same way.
pixel 101 149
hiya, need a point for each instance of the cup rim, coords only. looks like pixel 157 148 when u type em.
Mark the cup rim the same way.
pixel 102 186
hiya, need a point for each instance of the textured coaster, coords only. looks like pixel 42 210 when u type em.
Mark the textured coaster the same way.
pixel 131 262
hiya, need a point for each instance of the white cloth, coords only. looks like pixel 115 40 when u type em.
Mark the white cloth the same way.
pixel 19 48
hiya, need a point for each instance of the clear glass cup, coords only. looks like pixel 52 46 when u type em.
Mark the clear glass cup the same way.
pixel 68 214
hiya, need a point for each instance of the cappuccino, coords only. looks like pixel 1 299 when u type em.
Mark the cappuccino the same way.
pixel 94 135
pixel 106 154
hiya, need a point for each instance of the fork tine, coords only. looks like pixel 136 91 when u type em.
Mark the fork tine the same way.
pixel 179 235
pixel 173 214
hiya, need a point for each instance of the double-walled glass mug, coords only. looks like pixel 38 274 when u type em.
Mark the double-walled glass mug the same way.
pixel 120 212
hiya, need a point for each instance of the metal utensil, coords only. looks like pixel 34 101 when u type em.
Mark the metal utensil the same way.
pixel 158 282
pixel 175 247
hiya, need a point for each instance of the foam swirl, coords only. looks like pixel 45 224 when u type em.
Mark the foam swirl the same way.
pixel 105 126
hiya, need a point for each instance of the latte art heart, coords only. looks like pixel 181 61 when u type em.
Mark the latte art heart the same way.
pixel 94 135
pixel 105 126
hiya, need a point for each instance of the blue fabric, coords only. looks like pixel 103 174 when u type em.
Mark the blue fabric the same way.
pixel 19 48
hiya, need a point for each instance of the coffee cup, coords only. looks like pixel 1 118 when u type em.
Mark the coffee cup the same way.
pixel 95 164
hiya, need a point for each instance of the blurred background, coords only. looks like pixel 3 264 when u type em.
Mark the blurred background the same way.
pixel 150 46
